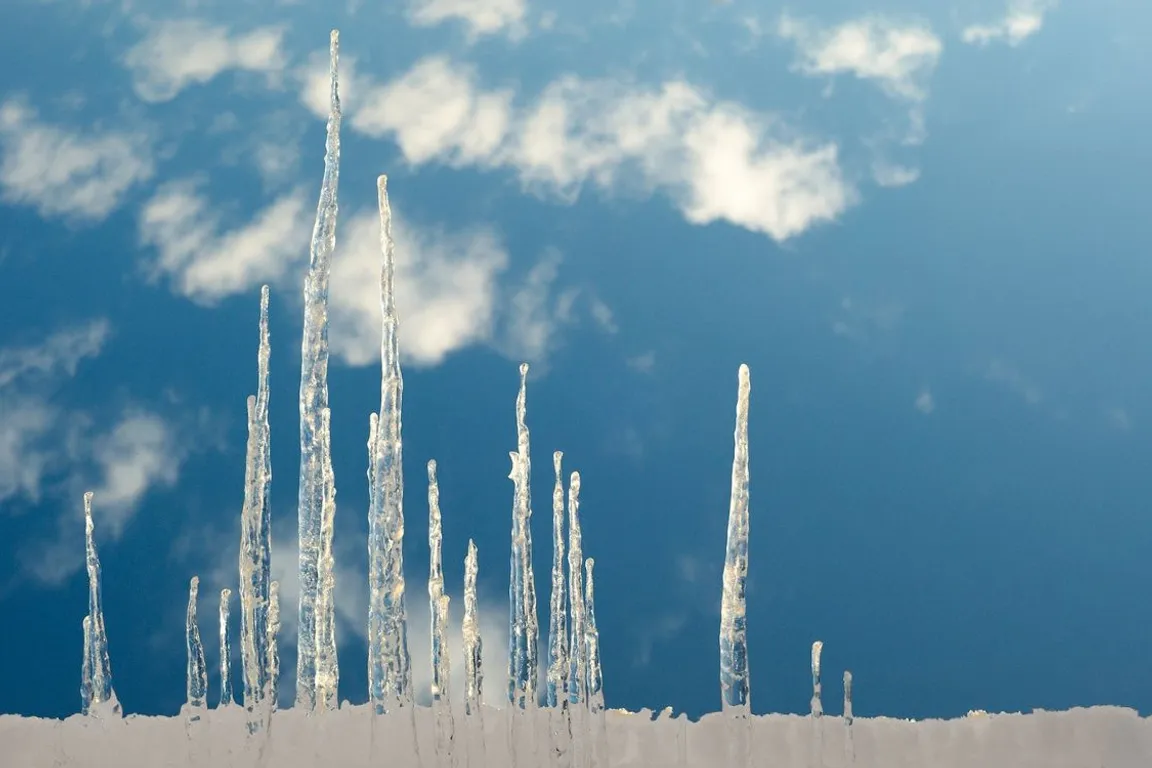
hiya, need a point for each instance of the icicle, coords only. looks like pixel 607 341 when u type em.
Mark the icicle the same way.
pixel 197 687
pixel 435 578
pixel 592 642
pixel 473 643
pixel 816 758
pixel 595 683
pixel 817 705
pixel 255 528
pixel 529 684
pixel 578 658
pixel 557 620
pixel 733 630
pixel 389 665
pixel 314 394
pixel 103 697
pixel 272 692
pixel 86 668
pixel 226 697
pixel 441 695
pixel 849 746
pixel 473 663
pixel 327 664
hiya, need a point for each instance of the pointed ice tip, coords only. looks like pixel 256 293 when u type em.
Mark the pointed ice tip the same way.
pixel 556 457
pixel 88 505
pixel 744 372
pixel 523 370
pixel 382 183
pixel 334 39
pixel 431 469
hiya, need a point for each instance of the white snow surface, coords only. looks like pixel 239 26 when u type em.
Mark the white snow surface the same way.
pixel 1097 737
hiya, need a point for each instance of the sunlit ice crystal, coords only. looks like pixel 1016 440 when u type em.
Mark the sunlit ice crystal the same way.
pixel 734 686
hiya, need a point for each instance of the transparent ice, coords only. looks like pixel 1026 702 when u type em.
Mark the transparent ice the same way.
pixel 573 729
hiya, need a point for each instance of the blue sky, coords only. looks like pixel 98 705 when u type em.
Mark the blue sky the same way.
pixel 922 225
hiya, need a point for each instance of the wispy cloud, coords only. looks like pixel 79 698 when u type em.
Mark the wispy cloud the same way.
pixel 480 17
pixel 207 262
pixel 925 402
pixel 1008 375
pixel 65 172
pixel 176 54
pixel 1021 20
pixel 717 160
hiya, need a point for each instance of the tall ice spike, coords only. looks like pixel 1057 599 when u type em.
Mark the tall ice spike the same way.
pixel 86 668
pixel 592 642
pixel 226 696
pixel 272 691
pixel 103 697
pixel 524 626
pixel 578 657
pixel 473 644
pixel 314 393
pixel 817 704
pixel 197 686
pixel 256 529
pixel 435 579
pixel 849 746
pixel 558 618
pixel 734 687
pixel 389 665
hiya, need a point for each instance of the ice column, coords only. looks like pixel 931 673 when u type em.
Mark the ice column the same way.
pixel 389 666
pixel 592 642
pixel 314 440
pixel 101 665
pixel 327 666
pixel 733 629
pixel 272 691
pixel 524 630
pixel 86 668
pixel 473 644
pixel 817 705
pixel 849 747
pixel 226 697
pixel 441 700
pixel 578 658
pixel 197 670
pixel 558 620
pixel 256 529
pixel 435 579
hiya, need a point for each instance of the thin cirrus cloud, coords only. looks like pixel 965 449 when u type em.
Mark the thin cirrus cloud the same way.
pixel 1021 20
pixel 64 172
pixel 717 160
pixel 47 447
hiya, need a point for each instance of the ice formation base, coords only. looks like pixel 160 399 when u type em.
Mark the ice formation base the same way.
pixel 1097 737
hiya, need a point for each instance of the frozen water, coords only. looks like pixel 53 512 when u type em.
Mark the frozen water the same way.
pixel 579 731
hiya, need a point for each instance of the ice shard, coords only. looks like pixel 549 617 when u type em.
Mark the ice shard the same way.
pixel 817 704
pixel 849 747
pixel 389 665
pixel 226 696
pixel 314 393
pixel 578 657
pixel 197 687
pixel 733 627
pixel 557 619
pixel 256 528
pixel 592 643
pixel 327 664
pixel 473 643
pixel 272 688
pixel 103 697
pixel 524 629
pixel 435 579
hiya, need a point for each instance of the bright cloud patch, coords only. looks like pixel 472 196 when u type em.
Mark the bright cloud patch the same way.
pixel 207 263
pixel 717 160
pixel 1021 20
pixel 179 53
pixel 65 172
pixel 481 17
pixel 898 56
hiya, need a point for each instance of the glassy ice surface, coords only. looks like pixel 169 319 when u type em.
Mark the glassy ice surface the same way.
pixel 579 731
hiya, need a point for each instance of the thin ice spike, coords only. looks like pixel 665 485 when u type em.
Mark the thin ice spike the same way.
pixel 226 696
pixel 435 579
pixel 734 686
pixel 314 393
pixel 592 643
pixel 102 693
pixel 473 643
pixel 558 618
pixel 197 682
pixel 327 663
pixel 578 658
pixel 272 691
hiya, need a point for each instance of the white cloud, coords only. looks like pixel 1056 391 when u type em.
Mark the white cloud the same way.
pixel 207 263
pixel 925 402
pixel 481 17
pixel 717 160
pixel 65 172
pixel 888 174
pixel 900 57
pixel 446 289
pixel 138 454
pixel 59 354
pixel 179 53
pixel 644 362
pixel 1021 20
